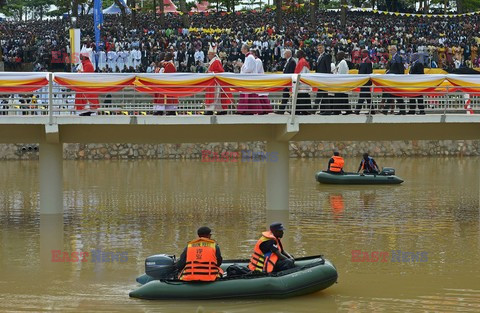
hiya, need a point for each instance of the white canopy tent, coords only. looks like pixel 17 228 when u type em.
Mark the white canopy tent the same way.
pixel 115 9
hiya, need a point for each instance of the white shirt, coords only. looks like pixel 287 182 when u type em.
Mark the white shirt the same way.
pixel 250 66
pixel 259 66
pixel 199 56
pixel 341 68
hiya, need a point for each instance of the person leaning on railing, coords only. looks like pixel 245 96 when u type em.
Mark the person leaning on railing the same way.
pixel 324 65
pixel 395 66
pixel 365 67
pixel 304 104
pixel 341 99
pixel 288 69
pixel 416 68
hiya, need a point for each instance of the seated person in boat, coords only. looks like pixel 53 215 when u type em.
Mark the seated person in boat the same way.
pixel 368 165
pixel 268 255
pixel 201 259
pixel 335 164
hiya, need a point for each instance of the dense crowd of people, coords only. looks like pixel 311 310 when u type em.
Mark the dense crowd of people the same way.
pixel 141 47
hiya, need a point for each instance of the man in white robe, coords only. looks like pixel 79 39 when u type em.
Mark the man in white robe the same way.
pixel 112 60
pixel 137 58
pixel 248 102
pixel 121 60
pixel 264 103
pixel 102 60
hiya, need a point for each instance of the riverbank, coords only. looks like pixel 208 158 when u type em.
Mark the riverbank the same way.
pixel 303 149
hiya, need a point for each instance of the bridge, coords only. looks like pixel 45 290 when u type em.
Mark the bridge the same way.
pixel 125 108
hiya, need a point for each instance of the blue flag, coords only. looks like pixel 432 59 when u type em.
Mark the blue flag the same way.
pixel 97 21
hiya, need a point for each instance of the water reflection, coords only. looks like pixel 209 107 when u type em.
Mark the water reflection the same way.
pixel 337 204
pixel 51 237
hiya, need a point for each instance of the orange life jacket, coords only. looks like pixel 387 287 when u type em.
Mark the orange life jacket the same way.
pixel 371 166
pixel 337 164
pixel 201 263
pixel 264 262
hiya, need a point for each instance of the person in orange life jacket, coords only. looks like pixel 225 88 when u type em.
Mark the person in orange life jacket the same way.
pixel 335 164
pixel 368 165
pixel 268 255
pixel 201 259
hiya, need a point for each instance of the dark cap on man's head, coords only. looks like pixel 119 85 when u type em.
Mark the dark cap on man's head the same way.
pixel 204 231
pixel 276 226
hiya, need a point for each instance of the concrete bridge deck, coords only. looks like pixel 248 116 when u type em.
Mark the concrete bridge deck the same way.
pixel 191 129
pixel 449 101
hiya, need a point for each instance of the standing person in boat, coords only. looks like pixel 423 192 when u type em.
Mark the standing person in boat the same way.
pixel 335 164
pixel 201 259
pixel 368 165
pixel 268 255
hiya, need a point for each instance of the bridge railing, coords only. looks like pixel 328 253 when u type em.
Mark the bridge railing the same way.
pixel 70 94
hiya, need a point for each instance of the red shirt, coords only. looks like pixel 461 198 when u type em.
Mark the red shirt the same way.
pixel 169 67
pixel 87 66
pixel 300 65
pixel 215 67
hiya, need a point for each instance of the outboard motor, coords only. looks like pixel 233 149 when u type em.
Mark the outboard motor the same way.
pixel 387 171
pixel 160 266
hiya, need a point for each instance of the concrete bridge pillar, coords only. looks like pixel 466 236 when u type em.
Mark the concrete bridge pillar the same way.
pixel 51 178
pixel 277 175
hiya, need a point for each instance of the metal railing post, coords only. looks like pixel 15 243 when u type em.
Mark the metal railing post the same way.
pixel 447 100
pixel 295 83
pixel 50 98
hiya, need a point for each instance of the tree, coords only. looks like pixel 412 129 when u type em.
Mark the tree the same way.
pixel 252 4
pixel 17 9
pixel 162 13
pixel 123 10
pixel 133 5
pixel 313 12
pixel 278 13
pixel 464 6
pixel 14 9
pixel 183 9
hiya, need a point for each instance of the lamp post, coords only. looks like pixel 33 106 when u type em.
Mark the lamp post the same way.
pixel 74 43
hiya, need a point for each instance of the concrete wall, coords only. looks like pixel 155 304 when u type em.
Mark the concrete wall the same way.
pixel 303 149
